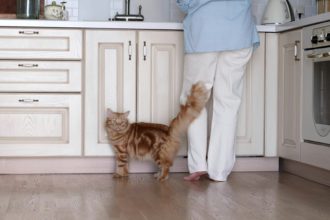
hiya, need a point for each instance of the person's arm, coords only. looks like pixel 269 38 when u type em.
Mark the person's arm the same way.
pixel 191 5
pixel 183 5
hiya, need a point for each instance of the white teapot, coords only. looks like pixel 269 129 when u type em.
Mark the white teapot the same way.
pixel 55 11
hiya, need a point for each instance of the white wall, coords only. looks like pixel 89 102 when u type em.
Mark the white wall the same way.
pixel 160 10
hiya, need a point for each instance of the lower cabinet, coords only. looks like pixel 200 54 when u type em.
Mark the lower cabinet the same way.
pixel 160 74
pixel 136 71
pixel 142 72
pixel 40 76
pixel 40 124
pixel 250 128
pixel 290 75
pixel 110 71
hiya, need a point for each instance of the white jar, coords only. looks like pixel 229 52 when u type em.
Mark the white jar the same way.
pixel 53 11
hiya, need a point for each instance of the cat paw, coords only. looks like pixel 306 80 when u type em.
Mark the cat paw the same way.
pixel 162 178
pixel 116 175
pixel 156 175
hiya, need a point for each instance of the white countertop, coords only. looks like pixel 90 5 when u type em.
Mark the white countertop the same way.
pixel 295 24
pixel 90 24
pixel 149 25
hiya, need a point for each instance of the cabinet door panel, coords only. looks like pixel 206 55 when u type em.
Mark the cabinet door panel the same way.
pixel 40 125
pixel 160 76
pixel 250 131
pixel 110 83
pixel 289 96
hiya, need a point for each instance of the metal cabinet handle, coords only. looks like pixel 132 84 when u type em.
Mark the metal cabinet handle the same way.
pixel 28 65
pixel 144 50
pixel 129 50
pixel 296 57
pixel 29 32
pixel 28 100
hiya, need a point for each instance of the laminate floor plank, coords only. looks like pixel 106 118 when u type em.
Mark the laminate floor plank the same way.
pixel 252 195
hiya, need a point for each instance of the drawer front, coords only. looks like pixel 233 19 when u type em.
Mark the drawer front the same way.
pixel 40 76
pixel 40 125
pixel 23 43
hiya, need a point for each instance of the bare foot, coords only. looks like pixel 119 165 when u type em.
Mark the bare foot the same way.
pixel 195 176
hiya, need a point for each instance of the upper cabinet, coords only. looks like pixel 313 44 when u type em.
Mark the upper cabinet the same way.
pixel 289 84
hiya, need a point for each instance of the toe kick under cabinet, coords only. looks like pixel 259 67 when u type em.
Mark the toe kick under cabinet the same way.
pixel 40 92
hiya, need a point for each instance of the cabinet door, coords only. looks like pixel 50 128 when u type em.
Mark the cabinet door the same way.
pixel 110 83
pixel 289 95
pixel 160 75
pixel 250 130
pixel 40 125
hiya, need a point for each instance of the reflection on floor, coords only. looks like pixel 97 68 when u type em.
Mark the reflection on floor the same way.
pixel 257 195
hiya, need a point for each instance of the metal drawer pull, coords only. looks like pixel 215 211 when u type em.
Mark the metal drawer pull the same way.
pixel 129 50
pixel 28 100
pixel 28 65
pixel 144 50
pixel 296 57
pixel 29 32
pixel 319 55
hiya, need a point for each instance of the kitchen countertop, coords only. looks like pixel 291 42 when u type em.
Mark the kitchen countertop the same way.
pixel 149 25
pixel 295 24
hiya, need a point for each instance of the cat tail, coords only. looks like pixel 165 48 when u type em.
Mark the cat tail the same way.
pixel 195 103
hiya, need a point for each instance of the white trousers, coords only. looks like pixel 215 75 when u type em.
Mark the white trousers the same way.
pixel 224 71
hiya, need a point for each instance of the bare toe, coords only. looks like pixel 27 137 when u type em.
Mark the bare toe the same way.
pixel 194 176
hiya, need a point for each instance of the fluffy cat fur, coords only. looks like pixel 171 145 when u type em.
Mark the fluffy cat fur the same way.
pixel 159 141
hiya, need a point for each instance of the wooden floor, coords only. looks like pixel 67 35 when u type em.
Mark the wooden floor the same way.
pixel 262 195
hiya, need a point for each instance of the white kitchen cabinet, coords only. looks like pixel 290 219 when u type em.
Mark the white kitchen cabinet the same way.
pixel 250 130
pixel 40 85
pixel 40 124
pixel 110 83
pixel 289 106
pixel 40 76
pixel 160 81
pixel 160 73
pixel 43 44
pixel 113 70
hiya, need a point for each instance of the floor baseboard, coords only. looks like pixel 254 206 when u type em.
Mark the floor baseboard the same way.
pixel 107 165
pixel 306 171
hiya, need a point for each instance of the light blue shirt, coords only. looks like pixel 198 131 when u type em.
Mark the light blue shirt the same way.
pixel 218 25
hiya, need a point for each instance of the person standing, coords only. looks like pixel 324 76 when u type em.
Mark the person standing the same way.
pixel 219 37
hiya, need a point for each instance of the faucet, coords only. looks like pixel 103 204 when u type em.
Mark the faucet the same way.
pixel 127 6
pixel 127 16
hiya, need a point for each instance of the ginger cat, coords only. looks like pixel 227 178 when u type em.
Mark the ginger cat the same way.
pixel 159 141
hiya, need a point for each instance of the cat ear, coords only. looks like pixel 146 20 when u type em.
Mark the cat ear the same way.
pixel 109 112
pixel 126 114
